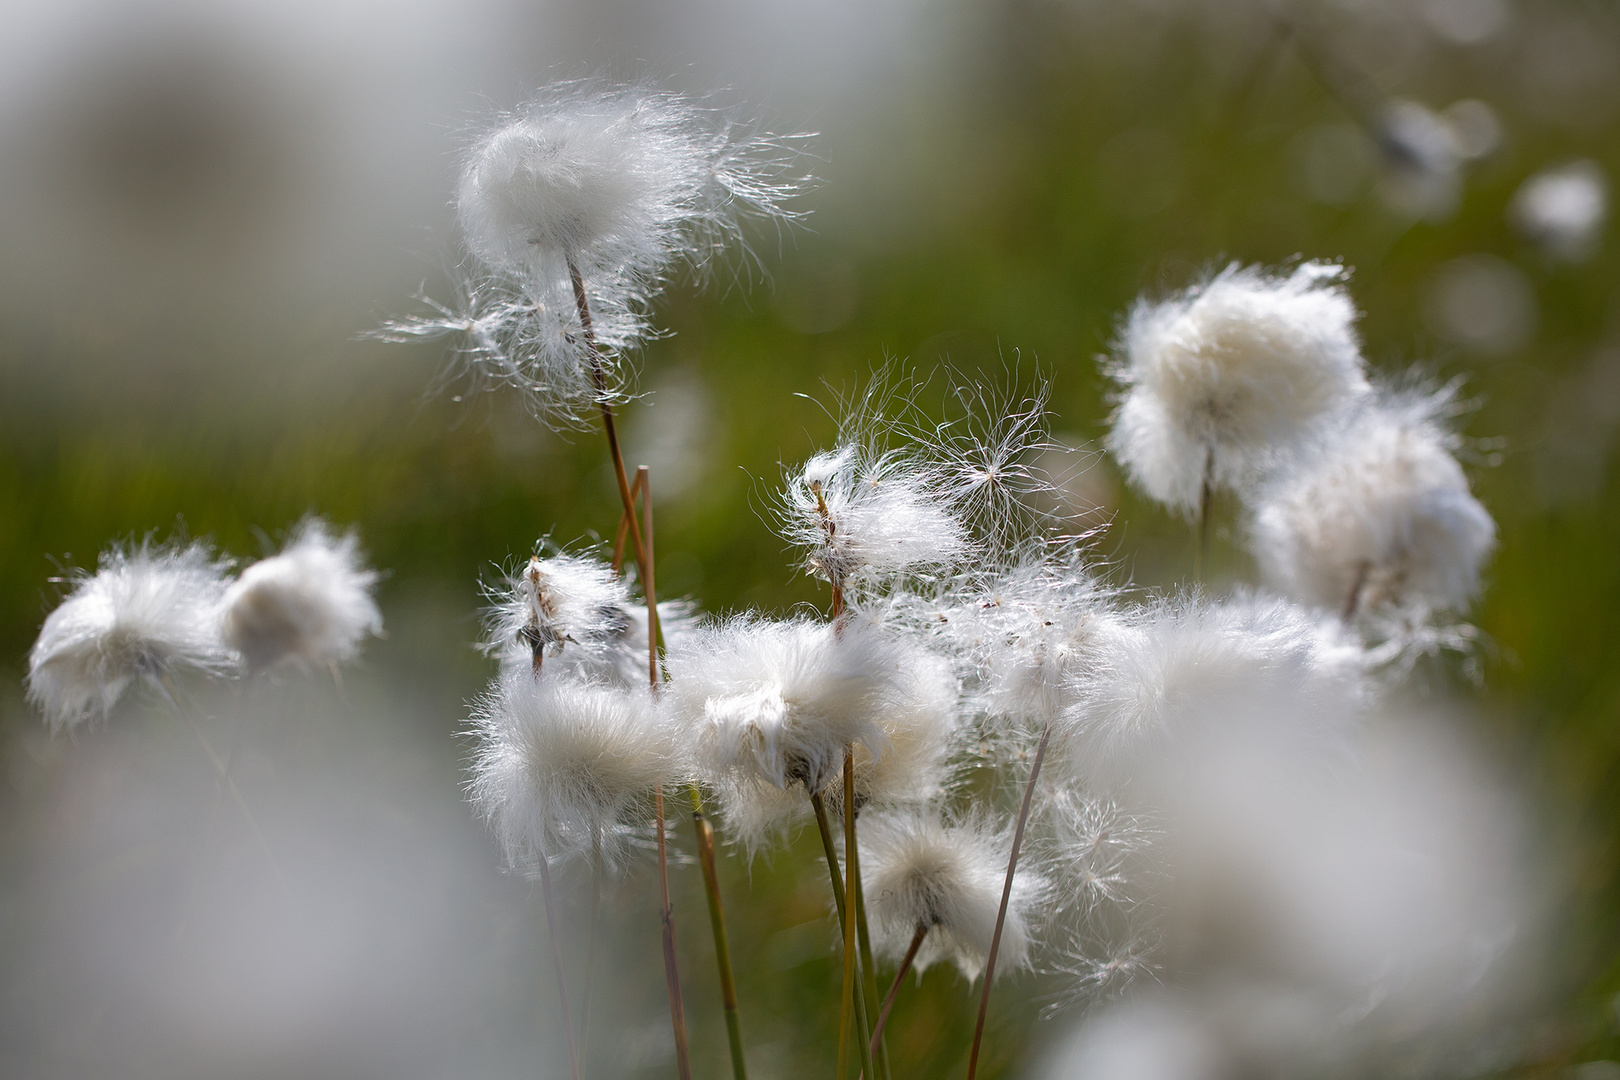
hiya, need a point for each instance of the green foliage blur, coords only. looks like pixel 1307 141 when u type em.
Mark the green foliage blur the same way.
pixel 999 211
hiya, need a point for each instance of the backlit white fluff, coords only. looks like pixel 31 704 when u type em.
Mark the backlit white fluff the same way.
pixel 766 706
pixel 619 184
pixel 1214 381
pixel 919 871
pixel 570 607
pixel 1024 633
pixel 862 515
pixel 919 728
pixel 1377 515
pixel 311 604
pixel 1563 209
pixel 563 767
pixel 145 611
pixel 1196 673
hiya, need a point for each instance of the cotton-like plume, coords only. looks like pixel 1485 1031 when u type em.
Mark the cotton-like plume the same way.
pixel 919 871
pixel 1196 673
pixel 573 608
pixel 146 611
pixel 1377 515
pixel 309 605
pixel 1215 381
pixel 1024 633
pixel 565 768
pixel 766 706
pixel 992 456
pixel 863 516
pixel 601 192
pixel 919 728
pixel 1563 209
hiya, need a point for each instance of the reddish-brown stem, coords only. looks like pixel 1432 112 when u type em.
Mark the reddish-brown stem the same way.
pixel 623 532
pixel 1006 897
pixel 894 988
pixel 557 962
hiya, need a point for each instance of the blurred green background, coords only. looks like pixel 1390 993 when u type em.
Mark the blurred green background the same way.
pixel 205 208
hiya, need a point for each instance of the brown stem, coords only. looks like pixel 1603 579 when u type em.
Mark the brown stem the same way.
pixel 1006 897
pixel 846 1006
pixel 894 989
pixel 1205 496
pixel 557 963
pixel 822 825
pixel 666 918
pixel 1352 602
pixel 649 588
pixel 722 947
pixel 623 531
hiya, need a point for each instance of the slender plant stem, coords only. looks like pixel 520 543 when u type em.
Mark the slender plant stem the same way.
pixel 672 975
pixel 1006 897
pixel 624 527
pixel 644 557
pixel 894 987
pixel 1352 602
pixel 557 964
pixel 846 1006
pixel 722 947
pixel 880 1055
pixel 831 852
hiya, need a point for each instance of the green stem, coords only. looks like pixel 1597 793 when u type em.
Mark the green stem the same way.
pixel 722 948
pixel 831 852
pixel 868 969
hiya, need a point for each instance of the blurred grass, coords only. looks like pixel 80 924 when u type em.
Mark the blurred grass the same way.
pixel 1010 204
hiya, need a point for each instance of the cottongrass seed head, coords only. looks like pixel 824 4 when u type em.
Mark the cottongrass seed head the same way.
pixel 602 191
pixel 309 605
pixel 571 611
pixel 1377 515
pixel 1215 380
pixel 146 611
pixel 766 706
pixel 1194 675
pixel 566 768
pixel 918 870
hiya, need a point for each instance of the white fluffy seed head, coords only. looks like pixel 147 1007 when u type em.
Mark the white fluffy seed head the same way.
pixel 1194 674
pixel 767 706
pixel 145 612
pixel 920 871
pixel 1563 209
pixel 309 605
pixel 863 516
pixel 569 611
pixel 567 768
pixel 1215 381
pixel 1380 508
pixel 1024 632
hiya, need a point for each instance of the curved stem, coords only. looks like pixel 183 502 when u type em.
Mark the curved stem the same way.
pixel 557 963
pixel 1006 897
pixel 894 988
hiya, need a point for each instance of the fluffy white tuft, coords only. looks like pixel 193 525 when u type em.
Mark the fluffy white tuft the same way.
pixel 1194 674
pixel 144 612
pixel 1376 515
pixel 566 768
pixel 919 871
pixel 619 184
pixel 311 604
pixel 1216 380
pixel 765 706
pixel 862 516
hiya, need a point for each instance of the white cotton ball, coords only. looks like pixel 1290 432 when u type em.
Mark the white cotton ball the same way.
pixel 570 611
pixel 1195 674
pixel 311 604
pixel 567 768
pixel 766 706
pixel 920 871
pixel 144 612
pixel 1215 381
pixel 1381 508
